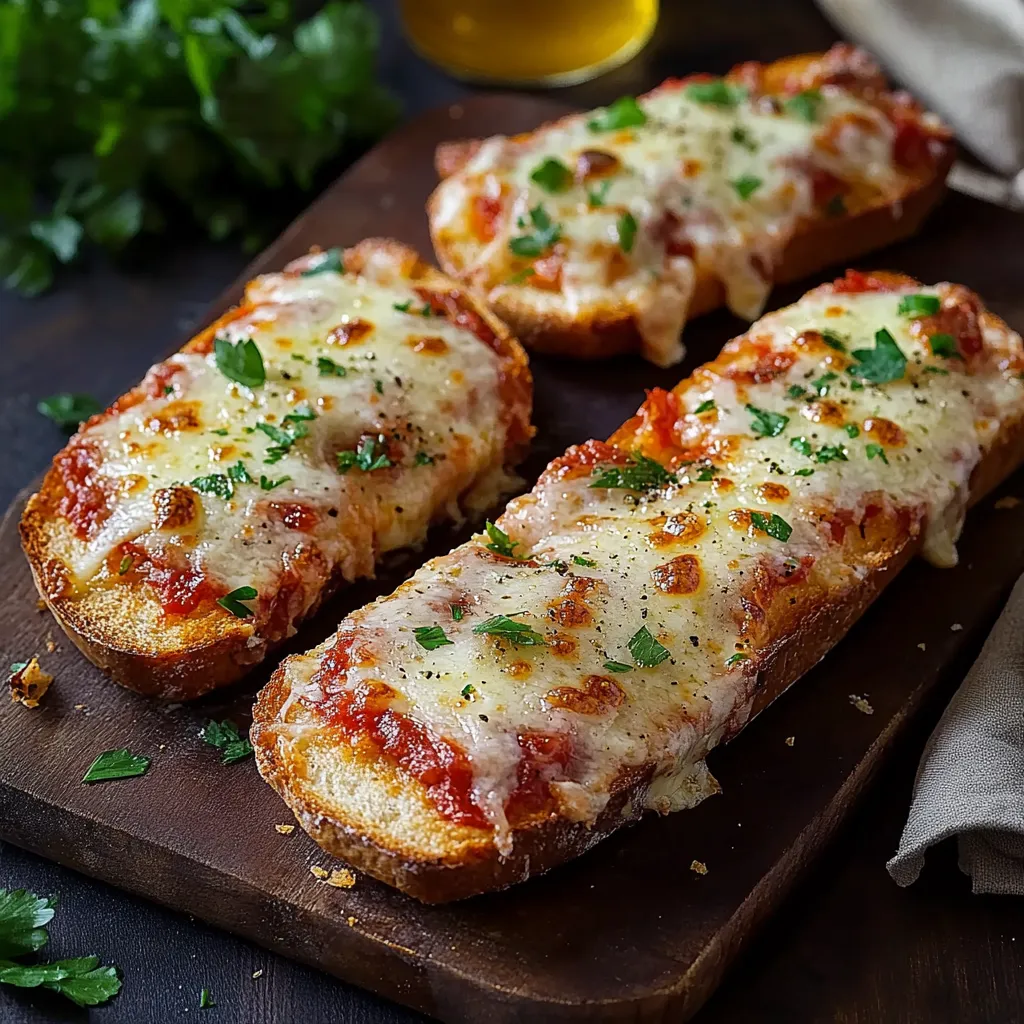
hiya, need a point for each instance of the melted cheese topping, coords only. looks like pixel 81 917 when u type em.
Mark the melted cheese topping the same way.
pixel 198 485
pixel 706 564
pixel 719 185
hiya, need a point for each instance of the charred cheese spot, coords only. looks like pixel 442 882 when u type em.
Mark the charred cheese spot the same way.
pixel 176 417
pixel 680 576
pixel 596 163
pixel 740 519
pixel 681 528
pixel 885 432
pixel 562 644
pixel 518 669
pixel 351 332
pixel 597 696
pixel 431 346
pixel 770 491
pixel 571 608
pixel 824 411
pixel 175 508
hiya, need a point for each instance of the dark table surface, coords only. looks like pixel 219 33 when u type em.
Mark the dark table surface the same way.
pixel 848 946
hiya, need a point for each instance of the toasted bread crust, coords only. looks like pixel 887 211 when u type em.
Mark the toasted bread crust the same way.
pixel 124 631
pixel 416 850
pixel 600 333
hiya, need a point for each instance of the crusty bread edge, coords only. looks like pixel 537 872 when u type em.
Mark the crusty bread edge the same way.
pixel 223 649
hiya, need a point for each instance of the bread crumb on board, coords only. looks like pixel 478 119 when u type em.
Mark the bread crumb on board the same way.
pixel 351 921
pixel 922 647
pixel 698 867
pixel 258 974
pixel 861 704
pixel 318 871
pixel 285 830
pixel 1008 502
pixel 790 740
pixel 342 878
pixel 956 627
pixel 28 683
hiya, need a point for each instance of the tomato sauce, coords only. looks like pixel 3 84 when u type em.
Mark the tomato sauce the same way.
pixel 543 755
pixel 85 503
pixel 453 307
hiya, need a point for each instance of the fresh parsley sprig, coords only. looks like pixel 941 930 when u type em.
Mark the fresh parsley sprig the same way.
pixel 241 362
pixel 639 473
pixel 881 364
pixel 517 633
pixel 67 410
pixel 227 738
pixel 625 112
pixel 545 234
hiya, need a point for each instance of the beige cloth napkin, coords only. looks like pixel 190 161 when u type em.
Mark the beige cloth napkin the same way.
pixel 964 58
pixel 970 783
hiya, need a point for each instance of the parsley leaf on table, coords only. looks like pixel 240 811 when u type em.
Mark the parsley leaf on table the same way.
pixel 68 411
pixel 226 737
pixel 116 764
pixel 23 920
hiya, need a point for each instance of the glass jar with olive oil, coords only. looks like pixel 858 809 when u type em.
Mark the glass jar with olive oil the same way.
pixel 529 42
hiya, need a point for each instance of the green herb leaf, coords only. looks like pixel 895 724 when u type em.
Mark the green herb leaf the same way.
pixel 638 474
pixel 116 764
pixel 803 472
pixel 469 692
pixel 67 410
pixel 403 307
pixel 918 305
pixel 330 262
pixel 746 185
pixel 266 484
pixel 206 1000
pixel 233 602
pixel 743 138
pixel 735 659
pixel 126 564
pixel 716 93
pixel 706 473
pixel 597 196
pixel 876 451
pixel 500 542
pixel 239 474
pixel 775 526
pixel 706 406
pixel 625 112
pixel 588 563
pixel 830 453
pixel 81 980
pixel 423 459
pixel 216 483
pixel 552 175
pixel 518 633
pixel 371 454
pixel 802 445
pixel 23 917
pixel 766 423
pixel 881 364
pixel 431 637
pixel 625 229
pixel 796 391
pixel 804 105
pixel 944 346
pixel 284 439
pixel 617 666
pixel 646 651
pixel 327 367
pixel 821 385
pixel 456 611
pixel 241 362
pixel 833 340
pixel 521 275
pixel 227 738
pixel 544 236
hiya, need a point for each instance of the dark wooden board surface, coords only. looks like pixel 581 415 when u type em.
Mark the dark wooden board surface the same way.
pixel 627 932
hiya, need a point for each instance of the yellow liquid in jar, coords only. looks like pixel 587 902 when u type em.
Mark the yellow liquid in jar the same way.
pixel 551 42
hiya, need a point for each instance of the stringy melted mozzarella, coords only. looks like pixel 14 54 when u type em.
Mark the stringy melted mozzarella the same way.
pixel 683 163
pixel 436 404
pixel 672 714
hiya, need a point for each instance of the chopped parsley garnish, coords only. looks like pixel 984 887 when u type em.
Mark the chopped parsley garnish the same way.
pixel 227 739
pixel 284 438
pixel 469 692
pixel 518 633
pixel 23 920
pixel 830 453
pixel 220 432
pixel 331 261
pixel 299 413
pixel 378 386
pixel 876 451
pixel 427 310
pixel 646 651
pixel 126 564
pixel 617 666
pixel 936 369
pixel 266 484
pixel 552 175
pixel 766 423
pixel 370 454
pixel 944 346
pixel 852 429
pixel 626 231
pixel 735 659
pixel 239 474
pixel 521 275
pixel 918 305
pixel 706 406
pixel 717 93
pixel 456 611
pixel 431 637
pixel 329 368
pixel 423 459
pixel 402 307
pixel 803 472
pixel 597 196
pixel 775 526
pixel 233 601
pixel 821 385
pixel 545 234
pixel 706 473
pixel 746 185
pixel 881 364
pixel 116 764
pixel 241 362
pixel 833 340
pixel 588 563
pixel 216 483
pixel 625 112
pixel 500 542
pixel 836 206
pixel 795 391
pixel 804 105
pixel 802 445
pixel 743 138
pixel 67 410
pixel 639 474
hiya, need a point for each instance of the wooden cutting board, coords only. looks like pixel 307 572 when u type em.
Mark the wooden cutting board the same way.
pixel 627 932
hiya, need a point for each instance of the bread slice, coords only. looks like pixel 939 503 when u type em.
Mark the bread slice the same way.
pixel 771 174
pixel 385 399
pixel 539 687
